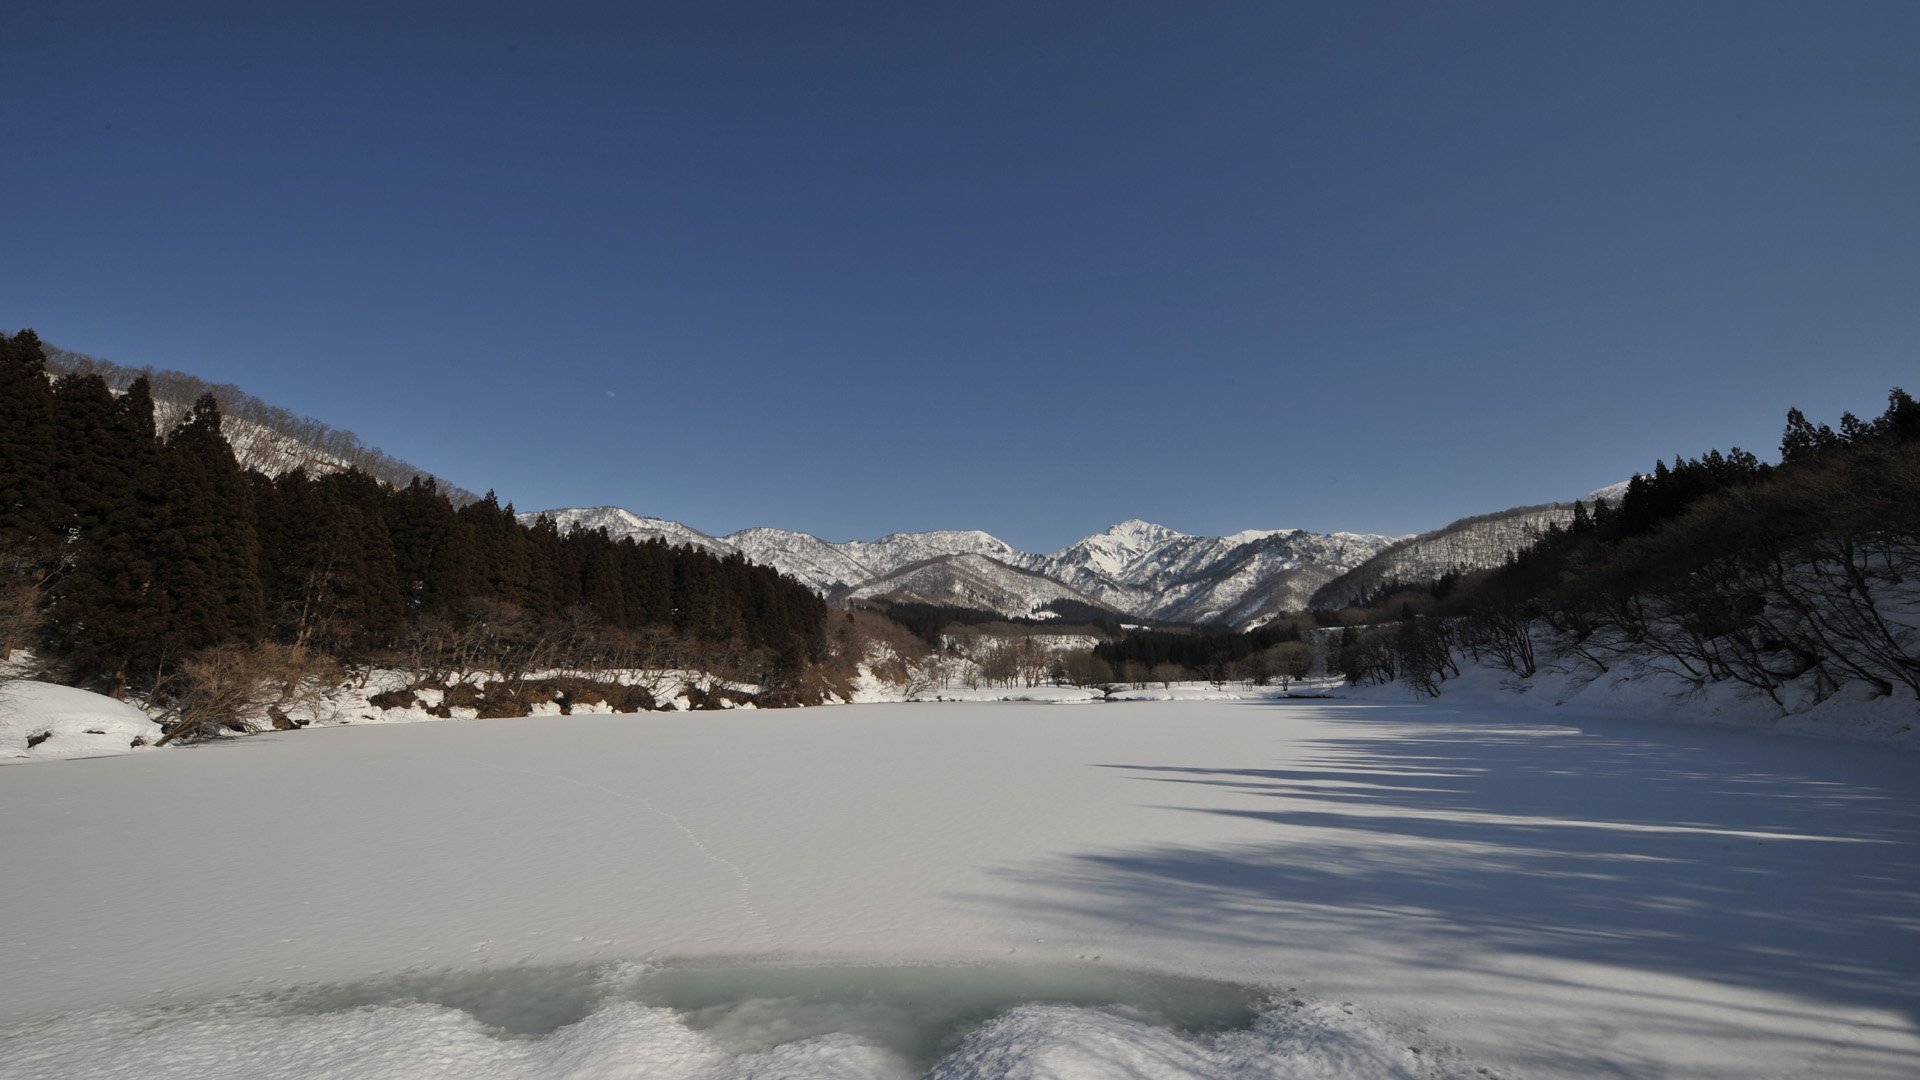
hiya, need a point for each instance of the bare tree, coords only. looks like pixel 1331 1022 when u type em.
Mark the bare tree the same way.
pixel 24 576
pixel 234 687
pixel 1290 660
pixel 1083 668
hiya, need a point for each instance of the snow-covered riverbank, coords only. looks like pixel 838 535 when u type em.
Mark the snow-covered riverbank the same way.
pixel 1520 891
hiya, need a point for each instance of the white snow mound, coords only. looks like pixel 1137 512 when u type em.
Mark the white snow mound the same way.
pixel 75 723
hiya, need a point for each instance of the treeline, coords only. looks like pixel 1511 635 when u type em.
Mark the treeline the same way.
pixel 932 623
pixel 1274 652
pixel 129 562
pixel 1718 568
pixel 179 387
pixel 1198 650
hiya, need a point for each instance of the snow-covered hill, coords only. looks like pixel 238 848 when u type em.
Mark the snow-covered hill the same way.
pixel 256 446
pixel 265 438
pixel 1473 543
pixel 622 524
pixel 975 581
pixel 1136 568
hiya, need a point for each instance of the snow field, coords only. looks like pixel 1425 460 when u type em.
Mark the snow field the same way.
pixel 1536 892
pixel 1642 690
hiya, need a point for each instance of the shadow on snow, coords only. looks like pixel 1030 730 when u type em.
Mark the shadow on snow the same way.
pixel 1756 861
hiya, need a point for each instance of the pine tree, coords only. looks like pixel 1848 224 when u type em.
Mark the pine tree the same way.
pixel 327 565
pixel 90 464
pixel 30 508
pixel 105 617
pixel 207 550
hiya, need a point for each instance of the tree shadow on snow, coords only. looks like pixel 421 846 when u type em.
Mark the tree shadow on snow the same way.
pixel 1756 861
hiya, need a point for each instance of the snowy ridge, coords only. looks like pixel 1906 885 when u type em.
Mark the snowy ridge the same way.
pixel 971 580
pixel 1135 568
pixel 621 524
pixel 1472 543
pixel 265 439
pixel 256 446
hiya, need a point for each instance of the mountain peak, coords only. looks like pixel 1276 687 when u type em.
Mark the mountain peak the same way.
pixel 1120 544
pixel 1136 525
pixel 1139 534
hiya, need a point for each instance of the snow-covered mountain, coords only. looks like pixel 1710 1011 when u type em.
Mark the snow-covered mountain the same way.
pixel 1136 568
pixel 622 524
pixel 1471 543
pixel 974 581
pixel 1152 571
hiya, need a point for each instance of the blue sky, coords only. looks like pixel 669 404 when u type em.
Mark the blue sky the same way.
pixel 1031 268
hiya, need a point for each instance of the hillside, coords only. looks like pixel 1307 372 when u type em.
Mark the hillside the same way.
pixel 1480 542
pixel 265 438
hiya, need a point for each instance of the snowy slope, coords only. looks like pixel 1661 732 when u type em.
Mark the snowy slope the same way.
pixel 827 568
pixel 1112 554
pixel 256 446
pixel 621 524
pixel 973 581
pixel 832 568
pixel 266 439
pixel 1473 543
pixel 43 721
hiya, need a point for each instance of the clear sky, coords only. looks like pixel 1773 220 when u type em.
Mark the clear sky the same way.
pixel 1030 268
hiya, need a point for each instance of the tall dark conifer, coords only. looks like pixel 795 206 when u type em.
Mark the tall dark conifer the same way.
pixel 90 464
pixel 106 617
pixel 207 549
pixel 30 509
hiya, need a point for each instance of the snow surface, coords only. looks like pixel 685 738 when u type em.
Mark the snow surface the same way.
pixel 1642 689
pixel 1439 889
pixel 75 723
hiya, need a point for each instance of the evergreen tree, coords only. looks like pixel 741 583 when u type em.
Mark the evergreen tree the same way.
pixel 30 508
pixel 90 465
pixel 207 550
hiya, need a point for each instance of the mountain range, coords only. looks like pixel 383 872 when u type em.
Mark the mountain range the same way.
pixel 1135 569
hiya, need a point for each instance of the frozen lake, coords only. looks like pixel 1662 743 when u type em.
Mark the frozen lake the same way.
pixel 1365 889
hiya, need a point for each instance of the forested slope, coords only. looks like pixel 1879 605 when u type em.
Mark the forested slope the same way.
pixel 1716 569
pixel 133 562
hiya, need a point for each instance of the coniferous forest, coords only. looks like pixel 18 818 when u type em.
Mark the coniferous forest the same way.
pixel 1720 568
pixel 133 563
